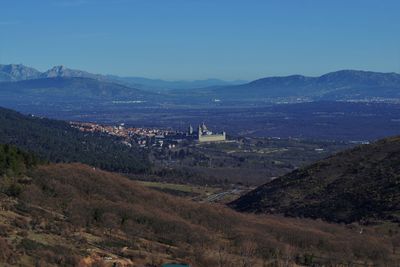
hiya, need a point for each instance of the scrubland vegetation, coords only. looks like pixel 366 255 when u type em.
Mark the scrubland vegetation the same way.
pixel 72 214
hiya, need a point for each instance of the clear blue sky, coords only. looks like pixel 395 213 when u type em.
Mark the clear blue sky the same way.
pixel 196 39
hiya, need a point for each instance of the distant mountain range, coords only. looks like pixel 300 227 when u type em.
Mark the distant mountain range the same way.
pixel 69 89
pixel 26 86
pixel 18 72
pixel 162 85
pixel 361 184
pixel 340 85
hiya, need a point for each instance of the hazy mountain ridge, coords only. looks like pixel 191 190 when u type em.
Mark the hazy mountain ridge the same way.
pixel 342 84
pixel 339 85
pixel 60 84
pixel 161 85
pixel 17 72
pixel 13 72
pixel 62 71
pixel 69 88
pixel 360 184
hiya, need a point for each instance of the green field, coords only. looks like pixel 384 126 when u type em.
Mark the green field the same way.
pixel 199 192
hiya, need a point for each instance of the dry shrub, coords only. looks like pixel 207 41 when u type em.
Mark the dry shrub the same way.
pixel 6 251
pixel 4 230
pixel 110 205
pixel 21 223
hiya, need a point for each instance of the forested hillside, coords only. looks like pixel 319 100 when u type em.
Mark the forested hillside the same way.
pixel 57 141
pixel 361 184
pixel 14 162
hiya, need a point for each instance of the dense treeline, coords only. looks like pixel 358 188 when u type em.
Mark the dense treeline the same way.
pixel 14 161
pixel 57 141
pixel 14 165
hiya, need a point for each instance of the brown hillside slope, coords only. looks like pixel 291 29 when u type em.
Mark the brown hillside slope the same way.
pixel 361 184
pixel 74 215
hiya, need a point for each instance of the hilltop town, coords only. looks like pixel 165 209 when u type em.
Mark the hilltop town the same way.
pixel 153 137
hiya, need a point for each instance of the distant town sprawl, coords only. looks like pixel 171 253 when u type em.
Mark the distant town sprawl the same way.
pixel 153 137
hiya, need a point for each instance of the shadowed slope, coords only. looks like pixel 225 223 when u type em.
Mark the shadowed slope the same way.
pixel 57 141
pixel 356 185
